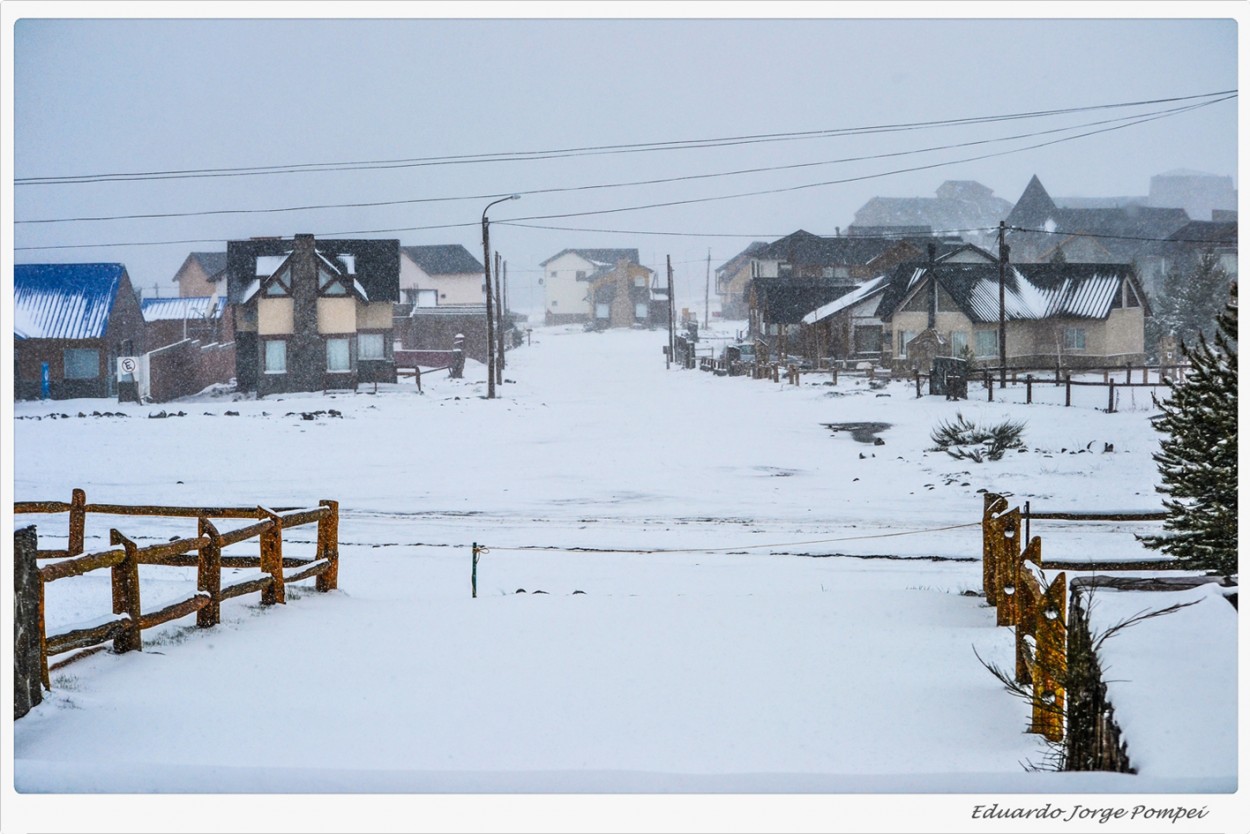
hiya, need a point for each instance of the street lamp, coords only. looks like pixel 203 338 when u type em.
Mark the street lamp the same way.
pixel 490 313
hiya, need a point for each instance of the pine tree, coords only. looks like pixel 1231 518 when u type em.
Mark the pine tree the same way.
pixel 1198 455
pixel 1189 301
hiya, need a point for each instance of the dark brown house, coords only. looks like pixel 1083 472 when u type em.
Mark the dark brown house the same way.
pixel 311 314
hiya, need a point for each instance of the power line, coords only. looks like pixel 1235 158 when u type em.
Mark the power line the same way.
pixel 636 183
pixel 77 179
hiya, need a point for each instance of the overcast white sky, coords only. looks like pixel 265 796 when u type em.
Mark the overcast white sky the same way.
pixel 104 96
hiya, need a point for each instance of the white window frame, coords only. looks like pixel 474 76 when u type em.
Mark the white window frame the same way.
pixel 275 356
pixel 1074 339
pixel 333 346
pixel 603 310
pixel 370 346
pixel 905 336
pixel 982 337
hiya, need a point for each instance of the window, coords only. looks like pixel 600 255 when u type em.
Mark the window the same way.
pixel 371 346
pixel 338 355
pixel 959 342
pixel 1074 338
pixel 640 280
pixel 1131 296
pixel 640 310
pixel 275 356
pixel 602 311
pixel 82 363
pixel 581 275
pixel 904 336
pixel 279 285
pixel 986 343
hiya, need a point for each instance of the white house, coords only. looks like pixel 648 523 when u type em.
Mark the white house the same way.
pixel 440 276
pixel 567 280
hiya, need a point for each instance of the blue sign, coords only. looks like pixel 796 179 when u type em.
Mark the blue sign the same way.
pixel 45 381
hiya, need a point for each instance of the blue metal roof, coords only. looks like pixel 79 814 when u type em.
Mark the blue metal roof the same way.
pixel 64 301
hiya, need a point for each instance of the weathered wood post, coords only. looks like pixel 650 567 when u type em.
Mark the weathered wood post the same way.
pixel 126 595
pixel 1028 389
pixel 1111 396
pixel 29 652
pixel 328 546
pixel 1051 666
pixel 208 578
pixel 271 559
pixel 1067 392
pixel 77 522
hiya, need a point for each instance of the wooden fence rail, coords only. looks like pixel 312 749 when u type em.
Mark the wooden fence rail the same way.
pixel 202 551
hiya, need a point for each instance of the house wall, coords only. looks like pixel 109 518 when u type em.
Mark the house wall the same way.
pixel 374 316
pixel 564 297
pixel 453 290
pixel 275 316
pixel 336 315
pixel 193 280
pixel 29 356
pixel 186 368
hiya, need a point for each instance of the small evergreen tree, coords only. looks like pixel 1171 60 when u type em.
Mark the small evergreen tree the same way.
pixel 1189 302
pixel 1198 454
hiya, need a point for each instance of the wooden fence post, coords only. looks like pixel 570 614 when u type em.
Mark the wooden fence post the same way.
pixel 473 579
pixel 271 558
pixel 1051 662
pixel 30 659
pixel 1028 389
pixel 1067 393
pixel 77 522
pixel 209 575
pixel 328 546
pixel 1111 396
pixel 126 595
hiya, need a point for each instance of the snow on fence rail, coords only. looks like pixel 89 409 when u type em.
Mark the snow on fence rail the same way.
pixel 204 552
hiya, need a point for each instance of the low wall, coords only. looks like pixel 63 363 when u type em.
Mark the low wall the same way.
pixel 187 367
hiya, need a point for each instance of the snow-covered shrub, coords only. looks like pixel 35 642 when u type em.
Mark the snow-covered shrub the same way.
pixel 963 439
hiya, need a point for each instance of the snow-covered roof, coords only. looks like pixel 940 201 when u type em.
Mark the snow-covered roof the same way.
pixel 180 309
pixel 860 293
pixel 64 301
pixel 267 265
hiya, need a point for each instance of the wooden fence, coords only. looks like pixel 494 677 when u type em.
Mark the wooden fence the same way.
pixel 1037 610
pixel 204 551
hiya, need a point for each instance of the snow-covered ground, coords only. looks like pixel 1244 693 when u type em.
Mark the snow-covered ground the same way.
pixel 768 607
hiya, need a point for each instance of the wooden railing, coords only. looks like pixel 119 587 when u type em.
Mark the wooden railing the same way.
pixel 204 551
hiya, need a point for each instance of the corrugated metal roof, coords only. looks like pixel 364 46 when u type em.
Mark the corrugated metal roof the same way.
pixel 855 296
pixel 64 301
pixel 181 309
pixel 1032 296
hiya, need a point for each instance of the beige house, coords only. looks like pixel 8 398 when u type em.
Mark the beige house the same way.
pixel 445 275
pixel 200 275
pixel 566 281
pixel 621 295
pixel 1056 315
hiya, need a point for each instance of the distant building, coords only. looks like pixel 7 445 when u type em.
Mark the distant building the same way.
pixel 1199 194
pixel 960 207
pixel 440 276
pixel 201 275
pixel 566 281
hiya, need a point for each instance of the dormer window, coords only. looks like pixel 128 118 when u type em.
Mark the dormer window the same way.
pixel 330 284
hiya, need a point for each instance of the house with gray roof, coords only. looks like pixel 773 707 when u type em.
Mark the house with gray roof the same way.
pixel 443 275
pixel 1057 315
pixel 71 322
pixel 963 205
pixel 568 277
pixel 201 275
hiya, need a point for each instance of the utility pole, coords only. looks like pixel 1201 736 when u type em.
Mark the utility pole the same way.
pixel 707 292
pixel 503 311
pixel 499 316
pixel 672 345
pixel 1002 304
pixel 490 313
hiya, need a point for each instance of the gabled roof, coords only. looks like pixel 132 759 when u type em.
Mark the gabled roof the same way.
pixel 182 308
pixel 443 259
pixel 1031 291
pixel 213 263
pixel 742 257
pixel 786 301
pixel 1207 231
pixel 64 301
pixel 600 257
pixel 864 292
pixel 806 249
pixel 376 263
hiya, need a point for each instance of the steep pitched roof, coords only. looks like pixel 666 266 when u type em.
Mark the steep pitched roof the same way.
pixel 864 292
pixel 64 301
pixel 213 263
pixel 601 257
pixel 745 255
pixel 376 263
pixel 443 259
pixel 803 248
pixel 1031 291
pixel 182 308
pixel 1034 207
